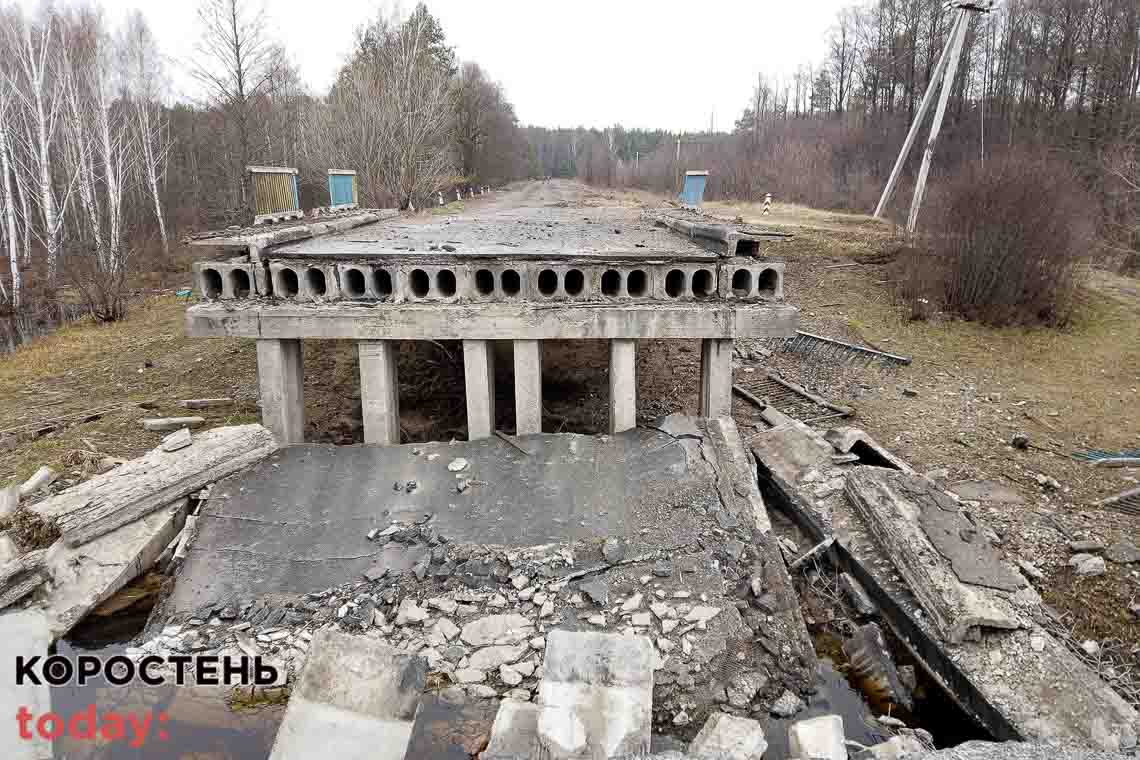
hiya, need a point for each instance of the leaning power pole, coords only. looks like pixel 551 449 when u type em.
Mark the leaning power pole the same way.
pixel 944 74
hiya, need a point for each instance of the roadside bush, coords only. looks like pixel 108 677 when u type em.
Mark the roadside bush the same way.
pixel 1007 243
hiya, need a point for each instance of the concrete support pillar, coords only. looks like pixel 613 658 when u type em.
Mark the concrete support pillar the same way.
pixel 379 391
pixel 479 375
pixel 280 373
pixel 716 378
pixel 528 387
pixel 623 384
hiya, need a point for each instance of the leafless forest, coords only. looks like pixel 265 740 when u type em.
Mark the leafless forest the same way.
pixel 103 169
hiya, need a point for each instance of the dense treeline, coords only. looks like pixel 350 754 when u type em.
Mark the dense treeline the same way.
pixel 1057 78
pixel 98 167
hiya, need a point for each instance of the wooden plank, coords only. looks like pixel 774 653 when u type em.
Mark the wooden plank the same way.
pixel 25 563
pixel 142 485
pixel 885 500
pixel 490 321
pixel 21 588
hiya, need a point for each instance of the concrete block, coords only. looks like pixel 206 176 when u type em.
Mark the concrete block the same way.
pixel 379 391
pixel 514 734
pixel 495 282
pixel 226 280
pixel 24 633
pixel 565 282
pixel 437 283
pixel 280 375
pixel 818 738
pixel 727 737
pixel 479 376
pixel 716 378
pixel 356 698
pixel 596 695
pixel 304 281
pixel 744 280
pixel 623 384
pixel 686 282
pixel 179 439
pixel 528 386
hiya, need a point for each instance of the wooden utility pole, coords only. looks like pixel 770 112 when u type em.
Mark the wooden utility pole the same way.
pixel 944 74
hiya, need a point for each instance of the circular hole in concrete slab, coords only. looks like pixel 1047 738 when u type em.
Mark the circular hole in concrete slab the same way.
pixel 510 282
pixel 211 283
pixel 239 279
pixel 445 282
pixel 419 282
pixel 382 283
pixel 741 283
pixel 703 283
pixel 611 283
pixel 637 284
pixel 674 283
pixel 485 282
pixel 547 282
pixel 289 283
pixel 767 281
pixel 574 283
pixel 315 280
pixel 354 283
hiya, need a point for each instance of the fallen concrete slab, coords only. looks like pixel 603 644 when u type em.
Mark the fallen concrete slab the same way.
pixel 299 521
pixel 727 737
pixel 1017 684
pixel 86 575
pixel 596 696
pixel 22 634
pixel 895 508
pixel 356 698
pixel 514 735
pixel 143 485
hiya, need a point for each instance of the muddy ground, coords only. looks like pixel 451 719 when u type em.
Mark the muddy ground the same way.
pixel 72 399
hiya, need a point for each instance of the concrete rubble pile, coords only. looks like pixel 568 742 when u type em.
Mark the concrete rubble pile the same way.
pixel 962 609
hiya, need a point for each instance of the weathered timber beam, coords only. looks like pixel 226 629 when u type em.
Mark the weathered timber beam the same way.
pixel 495 321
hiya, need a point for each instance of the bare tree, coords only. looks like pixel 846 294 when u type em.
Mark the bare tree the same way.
pixel 390 112
pixel 7 196
pixel 41 95
pixel 235 63
pixel 143 82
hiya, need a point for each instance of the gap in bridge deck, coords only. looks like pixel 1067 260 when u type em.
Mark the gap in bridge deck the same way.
pixel 433 404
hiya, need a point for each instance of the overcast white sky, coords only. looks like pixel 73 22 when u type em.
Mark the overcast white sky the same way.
pixel 577 62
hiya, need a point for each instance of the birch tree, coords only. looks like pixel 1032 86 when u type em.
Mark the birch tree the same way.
pixel 41 95
pixel 143 84
pixel 8 199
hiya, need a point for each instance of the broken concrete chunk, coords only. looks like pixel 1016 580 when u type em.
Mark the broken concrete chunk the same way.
pixel 895 748
pixel 1123 553
pixel 9 499
pixel 25 635
pixel 179 439
pixel 162 424
pixel 514 734
pixel 787 705
pixel 41 479
pixel 356 698
pixel 597 591
pixel 489 658
pixel 818 738
pixel 743 689
pixel 727 737
pixel 410 613
pixel 891 504
pixel 702 614
pixel 1087 565
pixel 504 629
pixel 458 464
pixel 596 695
pixel 1087 546
pixel 613 550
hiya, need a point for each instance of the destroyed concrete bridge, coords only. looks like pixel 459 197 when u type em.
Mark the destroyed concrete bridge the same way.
pixel 608 595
